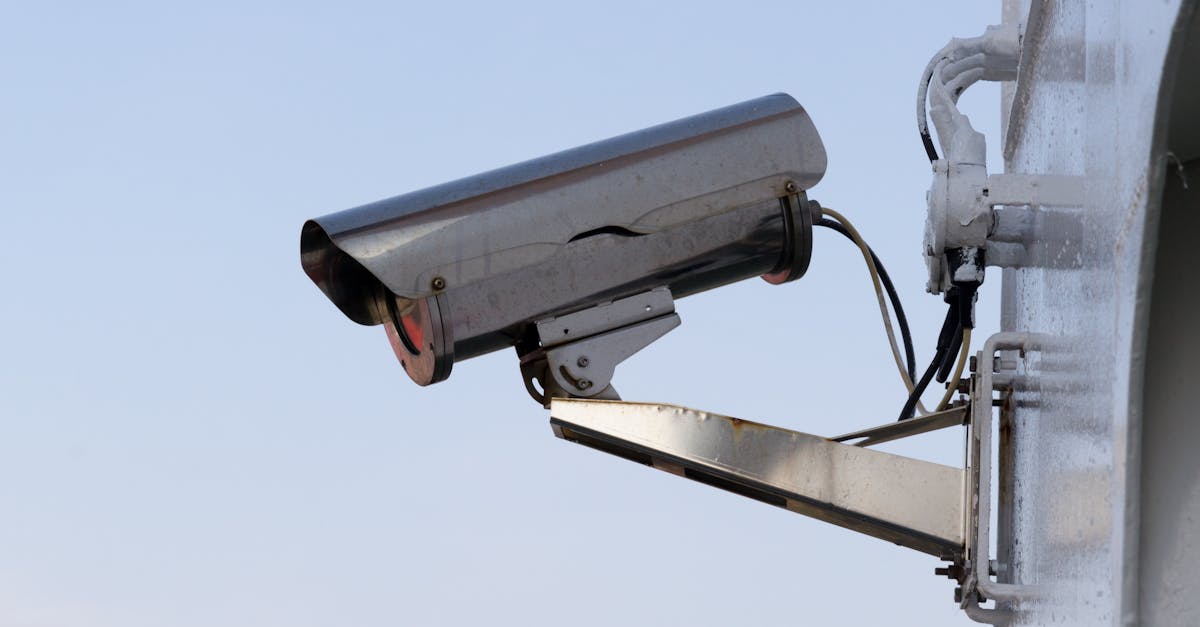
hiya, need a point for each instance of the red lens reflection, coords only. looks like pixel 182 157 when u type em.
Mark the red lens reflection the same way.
pixel 412 331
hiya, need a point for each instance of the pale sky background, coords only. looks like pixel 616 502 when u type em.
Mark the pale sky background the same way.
pixel 191 435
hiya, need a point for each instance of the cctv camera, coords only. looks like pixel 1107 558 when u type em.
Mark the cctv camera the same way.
pixel 576 258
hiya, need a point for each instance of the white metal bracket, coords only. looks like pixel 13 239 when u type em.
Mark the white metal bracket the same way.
pixel 961 227
pixel 977 570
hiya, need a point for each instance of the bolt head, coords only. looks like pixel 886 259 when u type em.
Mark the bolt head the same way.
pixel 583 361
pixel 584 384
pixel 438 283
pixel 791 187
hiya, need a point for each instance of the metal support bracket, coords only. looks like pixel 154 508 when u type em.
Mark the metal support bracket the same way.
pixel 1044 190
pixel 579 352
pixel 932 508
pixel 1022 234
pixel 910 502
pixel 953 417
pixel 961 223
pixel 977 569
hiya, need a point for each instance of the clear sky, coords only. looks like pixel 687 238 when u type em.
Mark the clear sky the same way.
pixel 191 435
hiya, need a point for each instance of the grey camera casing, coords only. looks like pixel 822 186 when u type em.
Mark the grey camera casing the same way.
pixel 468 267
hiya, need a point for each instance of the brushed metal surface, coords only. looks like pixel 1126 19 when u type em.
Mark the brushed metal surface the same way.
pixel 471 230
pixel 952 417
pixel 910 502
pixel 689 205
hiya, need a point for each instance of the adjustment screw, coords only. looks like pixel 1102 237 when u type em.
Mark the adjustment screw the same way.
pixel 583 361
pixel 791 187
pixel 438 283
pixel 584 384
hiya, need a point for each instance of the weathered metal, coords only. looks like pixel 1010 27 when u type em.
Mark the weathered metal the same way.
pixel 910 502
pixel 952 417
pixel 1093 100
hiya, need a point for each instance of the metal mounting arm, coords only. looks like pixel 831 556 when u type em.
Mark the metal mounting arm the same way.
pixel 906 501
pixel 936 509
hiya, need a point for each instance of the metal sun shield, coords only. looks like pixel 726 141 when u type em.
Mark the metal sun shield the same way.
pixel 470 266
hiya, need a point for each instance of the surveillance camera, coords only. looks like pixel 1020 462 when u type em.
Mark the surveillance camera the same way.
pixel 575 258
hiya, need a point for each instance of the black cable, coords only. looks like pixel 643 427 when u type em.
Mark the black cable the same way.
pixel 894 297
pixel 943 372
pixel 930 149
pixel 910 406
pixel 950 328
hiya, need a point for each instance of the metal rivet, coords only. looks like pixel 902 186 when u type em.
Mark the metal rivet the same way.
pixel 583 361
pixel 438 283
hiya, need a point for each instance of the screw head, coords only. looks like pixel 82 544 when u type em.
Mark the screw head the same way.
pixel 584 384
pixel 438 283
pixel 791 187
pixel 583 361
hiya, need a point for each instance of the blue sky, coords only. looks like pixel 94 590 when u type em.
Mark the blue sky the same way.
pixel 190 434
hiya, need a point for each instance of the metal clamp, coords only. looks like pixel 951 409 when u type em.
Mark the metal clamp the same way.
pixel 978 572
pixel 579 352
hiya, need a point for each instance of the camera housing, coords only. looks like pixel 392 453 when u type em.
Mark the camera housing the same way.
pixel 472 266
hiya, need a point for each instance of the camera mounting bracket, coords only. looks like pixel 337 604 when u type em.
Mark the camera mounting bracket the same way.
pixel 940 510
pixel 579 351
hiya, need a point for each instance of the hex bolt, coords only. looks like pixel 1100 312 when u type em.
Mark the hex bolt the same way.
pixel 584 384
pixel 583 361
pixel 438 283
pixel 950 571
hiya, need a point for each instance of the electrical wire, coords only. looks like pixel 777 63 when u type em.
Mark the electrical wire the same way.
pixel 883 309
pixel 893 296
pixel 962 74
pixel 914 397
pixel 958 370
pixel 944 372
pixel 955 336
pixel 950 327
pixel 922 111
